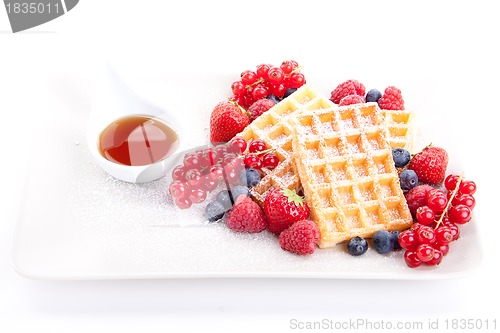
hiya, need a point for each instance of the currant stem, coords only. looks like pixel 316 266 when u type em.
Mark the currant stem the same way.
pixel 270 150
pixel 448 204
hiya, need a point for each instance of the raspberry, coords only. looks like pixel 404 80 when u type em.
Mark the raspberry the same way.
pixel 349 87
pixel 417 197
pixel 300 238
pixel 391 99
pixel 246 216
pixel 351 99
pixel 259 107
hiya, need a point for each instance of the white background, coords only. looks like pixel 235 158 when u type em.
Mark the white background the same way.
pixel 449 46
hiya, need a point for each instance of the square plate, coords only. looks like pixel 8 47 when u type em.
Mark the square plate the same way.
pixel 77 222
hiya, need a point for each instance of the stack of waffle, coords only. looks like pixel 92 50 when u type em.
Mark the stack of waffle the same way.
pixel 341 158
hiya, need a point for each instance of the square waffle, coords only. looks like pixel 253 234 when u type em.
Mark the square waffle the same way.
pixel 274 129
pixel 344 160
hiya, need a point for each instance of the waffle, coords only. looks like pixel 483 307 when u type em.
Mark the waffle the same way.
pixel 345 164
pixel 400 124
pixel 275 130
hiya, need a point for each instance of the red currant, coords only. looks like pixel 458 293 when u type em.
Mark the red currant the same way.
pixel 455 230
pixel 425 215
pixel 467 187
pixel 426 235
pixel 459 214
pixel 262 71
pixel 208 184
pixel 248 100
pixel 436 200
pixel 451 182
pixel 467 200
pixel 256 146
pixel 237 145
pixel 197 195
pixel 179 173
pixel 216 173
pixel 178 189
pixel 444 248
pixel 415 226
pixel 270 161
pixel 183 203
pixel 193 177
pixel 278 90
pixel 412 259
pixel 425 252
pixel 220 152
pixel 240 100
pixel 252 161
pixel 191 161
pixel 408 240
pixel 443 235
pixel 238 88
pixel 454 200
pixel 275 75
pixel 436 258
pixel 297 80
pixel 259 92
pixel 287 67
pixel 248 77
pixel 229 158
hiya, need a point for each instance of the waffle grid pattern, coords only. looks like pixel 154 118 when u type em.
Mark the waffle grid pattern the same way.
pixel 400 124
pixel 274 128
pixel 345 165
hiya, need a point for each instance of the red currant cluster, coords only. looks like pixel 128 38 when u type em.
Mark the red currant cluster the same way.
pixel 204 169
pixel 259 156
pixel 267 80
pixel 427 241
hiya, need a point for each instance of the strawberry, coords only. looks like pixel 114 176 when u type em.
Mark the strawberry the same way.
pixel 228 118
pixel 300 238
pixel 430 165
pixel 283 207
pixel 246 216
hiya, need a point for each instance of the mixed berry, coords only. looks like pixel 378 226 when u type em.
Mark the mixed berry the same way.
pixel 234 166
pixel 439 203
pixel 267 81
pixel 438 210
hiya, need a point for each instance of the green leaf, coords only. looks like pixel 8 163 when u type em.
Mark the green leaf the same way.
pixel 293 196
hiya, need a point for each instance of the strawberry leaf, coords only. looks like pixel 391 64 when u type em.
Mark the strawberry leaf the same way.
pixel 293 196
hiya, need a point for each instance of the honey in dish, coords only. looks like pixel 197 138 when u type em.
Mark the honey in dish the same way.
pixel 137 140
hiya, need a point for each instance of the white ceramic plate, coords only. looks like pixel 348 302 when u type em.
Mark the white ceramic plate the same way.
pixel 77 222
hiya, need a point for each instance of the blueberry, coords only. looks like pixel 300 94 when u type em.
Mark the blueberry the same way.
pixel 274 98
pixel 249 177
pixel 401 157
pixel 357 246
pixel 239 190
pixel 408 179
pixel 224 197
pixel 373 95
pixel 395 240
pixel 289 91
pixel 214 211
pixel 383 241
